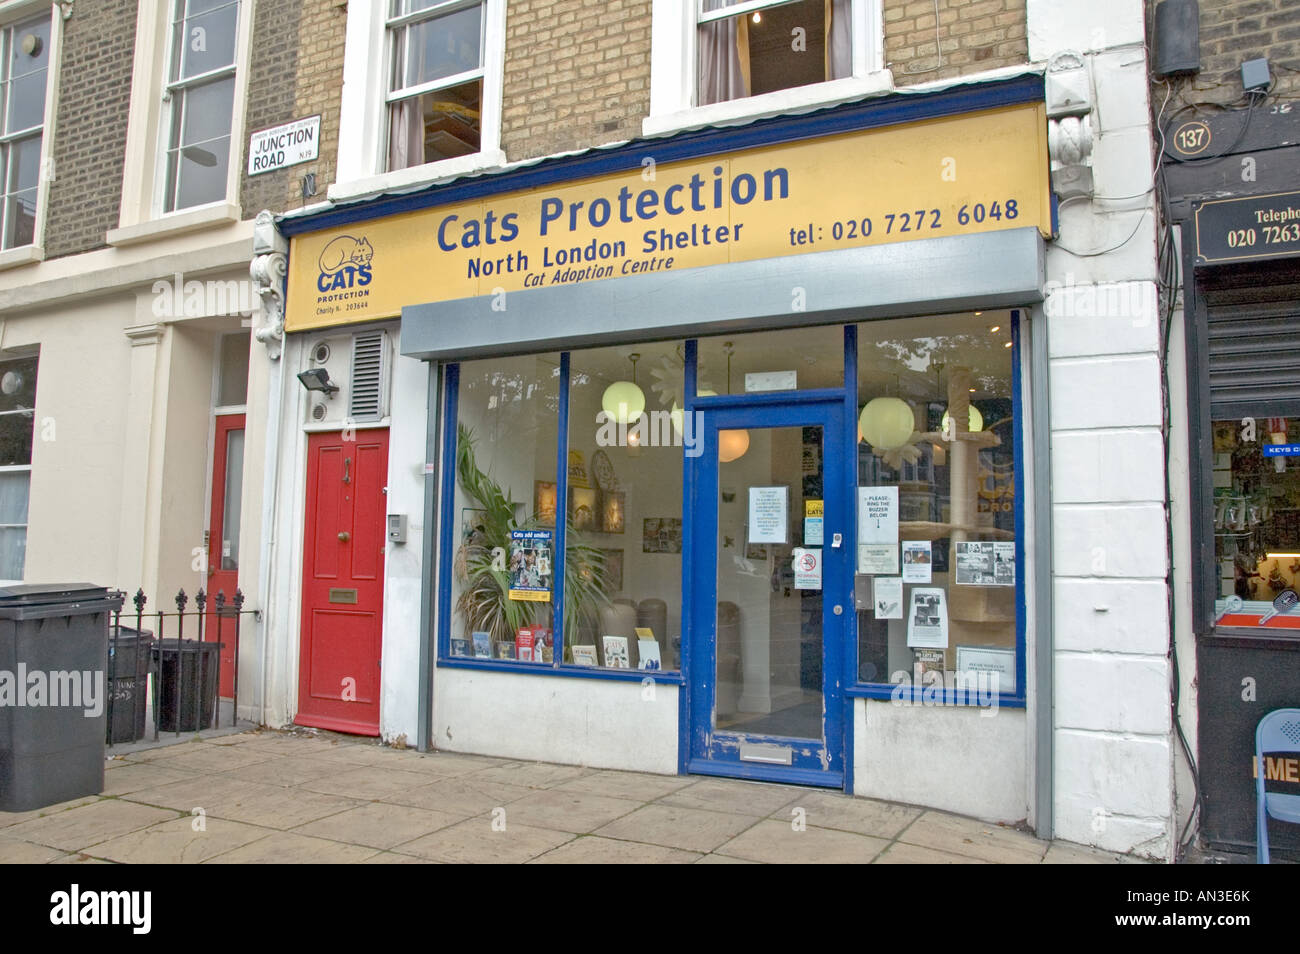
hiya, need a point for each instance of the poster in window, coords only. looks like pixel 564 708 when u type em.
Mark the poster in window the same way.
pixel 582 508
pixel 984 563
pixel 917 561
pixel 927 619
pixel 544 503
pixel 530 565
pixel 768 510
pixel 613 509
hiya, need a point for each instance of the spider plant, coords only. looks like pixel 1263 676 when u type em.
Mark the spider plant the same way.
pixel 480 566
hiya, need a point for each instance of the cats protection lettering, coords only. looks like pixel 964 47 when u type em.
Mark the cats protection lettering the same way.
pixel 345 268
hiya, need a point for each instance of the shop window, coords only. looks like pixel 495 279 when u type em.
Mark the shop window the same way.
pixel 623 554
pixel 436 88
pixel 800 359
pixel 503 584
pixel 24 79
pixel 1257 522
pixel 17 424
pixel 937 564
pixel 771 45
pixel 200 92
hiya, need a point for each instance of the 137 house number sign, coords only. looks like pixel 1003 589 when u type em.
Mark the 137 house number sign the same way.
pixel 1254 227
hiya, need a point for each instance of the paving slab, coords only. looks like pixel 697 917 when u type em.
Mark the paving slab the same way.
pixel 638 785
pixel 280 808
pixel 777 842
pixel 201 791
pixel 967 836
pixel 675 826
pixel 79 828
pixel 904 854
pixel 284 770
pixel 461 796
pixel 9 819
pixel 731 795
pixel 1065 853
pixel 532 774
pixel 594 850
pixel 15 852
pixel 139 776
pixel 866 816
pixel 365 782
pixel 475 842
pixel 176 842
pixel 207 758
pixel 379 825
pixel 563 810
pixel 290 848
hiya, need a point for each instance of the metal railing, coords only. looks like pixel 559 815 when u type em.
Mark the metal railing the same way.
pixel 163 658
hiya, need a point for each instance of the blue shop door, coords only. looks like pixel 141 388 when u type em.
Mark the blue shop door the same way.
pixel 771 592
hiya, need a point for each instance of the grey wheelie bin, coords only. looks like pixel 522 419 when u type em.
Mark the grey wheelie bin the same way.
pixel 53 692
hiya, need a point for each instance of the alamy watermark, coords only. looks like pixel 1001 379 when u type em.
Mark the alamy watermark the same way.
pixel 653 429
pixel 932 687
pixel 179 298
pixel 58 688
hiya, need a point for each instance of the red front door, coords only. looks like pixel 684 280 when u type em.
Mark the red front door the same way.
pixel 343 581
pixel 223 538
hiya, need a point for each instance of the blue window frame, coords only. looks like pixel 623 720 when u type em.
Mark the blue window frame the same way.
pixel 855 687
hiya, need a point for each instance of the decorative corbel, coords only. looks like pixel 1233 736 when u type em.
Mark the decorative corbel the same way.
pixel 268 269
pixel 65 8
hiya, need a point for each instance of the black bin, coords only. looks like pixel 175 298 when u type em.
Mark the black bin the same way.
pixel 187 680
pixel 130 657
pixel 52 745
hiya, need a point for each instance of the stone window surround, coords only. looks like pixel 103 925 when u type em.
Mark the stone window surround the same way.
pixel 364 127
pixel 141 218
pixel 11 11
pixel 673 73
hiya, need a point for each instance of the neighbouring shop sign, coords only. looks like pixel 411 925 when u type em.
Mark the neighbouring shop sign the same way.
pixel 1255 227
pixel 960 175
pixel 286 145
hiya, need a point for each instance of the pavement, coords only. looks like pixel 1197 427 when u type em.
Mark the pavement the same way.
pixel 308 797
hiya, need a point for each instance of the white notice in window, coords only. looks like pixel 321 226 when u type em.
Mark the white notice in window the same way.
pixel 768 514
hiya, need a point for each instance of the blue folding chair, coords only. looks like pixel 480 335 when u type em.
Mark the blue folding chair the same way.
pixel 1279 731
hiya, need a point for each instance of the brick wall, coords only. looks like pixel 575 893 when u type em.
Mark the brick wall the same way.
pixel 90 126
pixel 321 30
pixel 577 74
pixel 972 37
pixel 296 71
pixel 271 100
pixel 1236 30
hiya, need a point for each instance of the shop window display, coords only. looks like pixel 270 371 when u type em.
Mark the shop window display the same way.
pixel 502 579
pixel 1257 522
pixel 624 541
pixel 936 566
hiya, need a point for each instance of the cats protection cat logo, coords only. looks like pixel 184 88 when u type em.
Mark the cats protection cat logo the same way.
pixel 345 268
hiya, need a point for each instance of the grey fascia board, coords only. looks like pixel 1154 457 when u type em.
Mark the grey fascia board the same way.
pixel 926 276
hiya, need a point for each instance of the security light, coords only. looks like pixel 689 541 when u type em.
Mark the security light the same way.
pixel 318 379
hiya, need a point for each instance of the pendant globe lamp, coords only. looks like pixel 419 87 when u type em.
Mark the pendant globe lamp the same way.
pixel 732 445
pixel 886 423
pixel 624 401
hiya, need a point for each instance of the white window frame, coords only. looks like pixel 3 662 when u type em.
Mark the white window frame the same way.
pixel 144 181
pixel 11 13
pixel 674 48
pixel 363 133
pixel 26 468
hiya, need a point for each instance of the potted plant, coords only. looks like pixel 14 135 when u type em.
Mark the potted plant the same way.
pixel 481 566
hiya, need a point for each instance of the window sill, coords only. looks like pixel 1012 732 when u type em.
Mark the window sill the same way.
pixel 23 255
pixel 668 677
pixel 176 223
pixel 416 176
pixel 799 99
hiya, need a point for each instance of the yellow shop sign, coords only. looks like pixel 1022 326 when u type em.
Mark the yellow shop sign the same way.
pixel 977 172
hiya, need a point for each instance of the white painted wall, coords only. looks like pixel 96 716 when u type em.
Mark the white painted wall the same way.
pixel 400 682
pixel 1113 743
pixel 602 723
pixel 960 759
